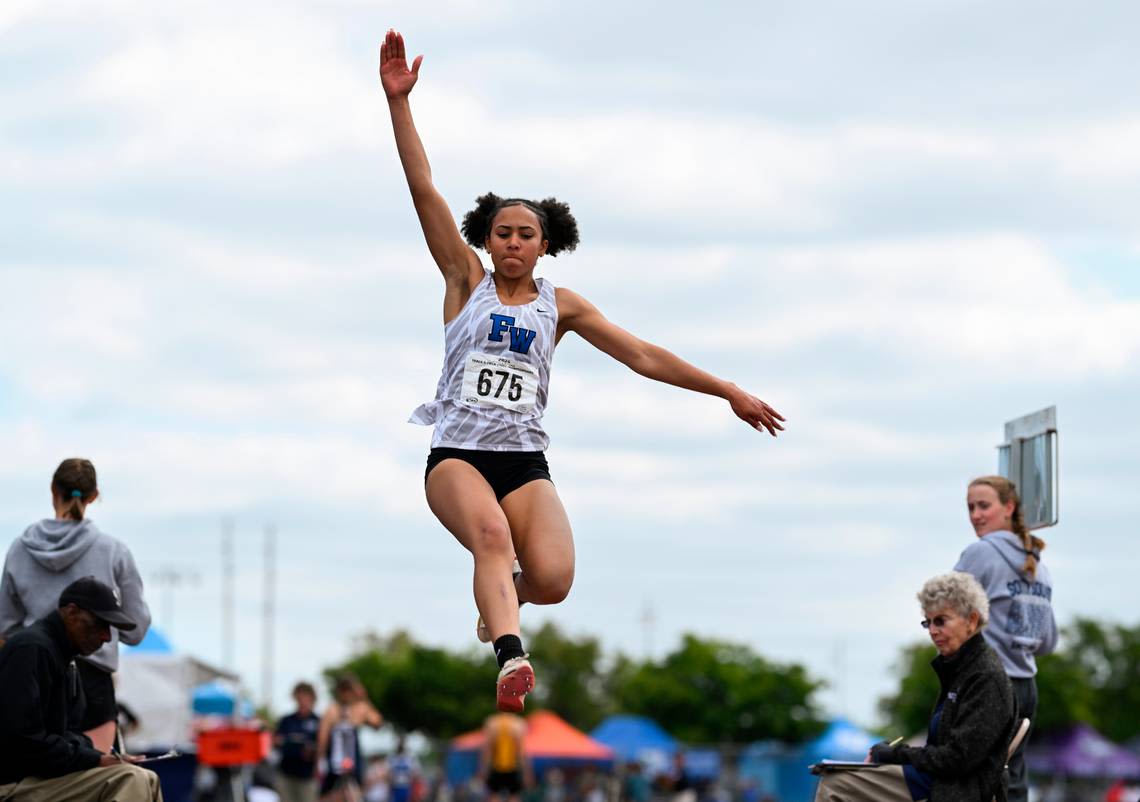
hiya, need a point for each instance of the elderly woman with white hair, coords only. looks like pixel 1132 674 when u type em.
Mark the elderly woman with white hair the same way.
pixel 973 719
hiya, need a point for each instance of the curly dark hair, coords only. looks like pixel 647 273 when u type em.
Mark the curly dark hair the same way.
pixel 559 228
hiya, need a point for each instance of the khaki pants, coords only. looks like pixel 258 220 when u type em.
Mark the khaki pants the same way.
pixel 872 784
pixel 123 783
pixel 293 789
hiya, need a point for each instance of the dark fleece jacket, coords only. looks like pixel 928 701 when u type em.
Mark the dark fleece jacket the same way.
pixel 40 705
pixel 967 756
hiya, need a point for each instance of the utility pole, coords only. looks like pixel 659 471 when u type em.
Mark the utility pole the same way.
pixel 648 622
pixel 268 599
pixel 841 675
pixel 169 577
pixel 228 594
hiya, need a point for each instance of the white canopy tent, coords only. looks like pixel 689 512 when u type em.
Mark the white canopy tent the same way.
pixel 157 685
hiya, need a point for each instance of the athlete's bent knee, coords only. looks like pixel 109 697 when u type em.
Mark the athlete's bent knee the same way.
pixel 552 587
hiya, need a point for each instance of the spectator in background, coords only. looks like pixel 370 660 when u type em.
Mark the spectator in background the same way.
pixel 970 727
pixel 338 742
pixel 43 756
pixel 376 780
pixel 296 740
pixel 554 786
pixel 681 784
pixel 262 787
pixel 1006 560
pixel 502 761
pixel 403 771
pixel 53 553
pixel 590 788
pixel 635 785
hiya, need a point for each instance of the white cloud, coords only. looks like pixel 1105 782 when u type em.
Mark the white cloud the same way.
pixel 173 473
pixel 1000 304
pixel 1103 151
pixel 258 90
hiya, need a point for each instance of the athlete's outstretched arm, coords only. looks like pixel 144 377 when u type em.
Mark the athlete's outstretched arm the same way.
pixel 577 314
pixel 456 260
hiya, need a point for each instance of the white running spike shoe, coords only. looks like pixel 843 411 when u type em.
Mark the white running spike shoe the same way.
pixel 516 680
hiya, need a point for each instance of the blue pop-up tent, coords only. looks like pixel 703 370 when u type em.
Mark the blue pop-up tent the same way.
pixel 842 740
pixel 154 642
pixel 637 738
pixel 781 770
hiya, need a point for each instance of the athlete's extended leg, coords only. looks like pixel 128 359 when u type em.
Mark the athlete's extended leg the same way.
pixel 464 503
pixel 543 542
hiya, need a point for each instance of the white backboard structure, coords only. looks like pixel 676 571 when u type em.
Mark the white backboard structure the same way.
pixel 1029 458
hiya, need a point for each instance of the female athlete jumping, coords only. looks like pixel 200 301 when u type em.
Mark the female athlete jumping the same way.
pixel 487 478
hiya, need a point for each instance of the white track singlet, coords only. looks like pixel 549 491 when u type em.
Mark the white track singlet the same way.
pixel 496 371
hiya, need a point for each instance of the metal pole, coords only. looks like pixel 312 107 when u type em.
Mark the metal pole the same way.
pixel 170 578
pixel 648 620
pixel 228 594
pixel 268 599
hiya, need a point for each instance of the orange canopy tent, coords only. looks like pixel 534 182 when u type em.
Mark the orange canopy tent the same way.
pixel 549 741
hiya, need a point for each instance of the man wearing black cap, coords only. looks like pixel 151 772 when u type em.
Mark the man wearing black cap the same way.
pixel 42 755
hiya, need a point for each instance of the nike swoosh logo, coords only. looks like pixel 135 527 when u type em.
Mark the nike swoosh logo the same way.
pixel 542 311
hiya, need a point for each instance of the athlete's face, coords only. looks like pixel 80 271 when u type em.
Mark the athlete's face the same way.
pixel 987 513
pixel 515 241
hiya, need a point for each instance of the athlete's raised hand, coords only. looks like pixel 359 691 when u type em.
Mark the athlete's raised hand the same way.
pixel 395 76
pixel 755 412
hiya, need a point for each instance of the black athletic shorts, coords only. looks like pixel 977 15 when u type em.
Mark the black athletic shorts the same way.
pixel 100 692
pixel 504 470
pixel 509 781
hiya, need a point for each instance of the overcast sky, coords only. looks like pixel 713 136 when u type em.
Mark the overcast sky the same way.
pixel 901 223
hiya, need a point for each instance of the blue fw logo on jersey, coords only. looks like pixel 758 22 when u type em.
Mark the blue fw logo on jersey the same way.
pixel 520 338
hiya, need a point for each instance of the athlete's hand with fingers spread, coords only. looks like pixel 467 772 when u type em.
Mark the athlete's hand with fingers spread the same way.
pixel 395 76
pixel 755 412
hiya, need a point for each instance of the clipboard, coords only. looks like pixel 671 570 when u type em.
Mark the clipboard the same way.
pixel 841 765
pixel 173 753
pixel 164 756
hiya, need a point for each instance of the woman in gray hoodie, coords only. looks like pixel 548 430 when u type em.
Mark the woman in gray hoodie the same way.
pixel 53 553
pixel 1006 560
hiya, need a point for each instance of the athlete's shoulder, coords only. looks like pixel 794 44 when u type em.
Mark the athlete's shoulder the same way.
pixel 570 303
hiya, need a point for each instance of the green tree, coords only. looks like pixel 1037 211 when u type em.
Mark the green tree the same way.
pixel 571 681
pixel 1093 679
pixel 710 691
pixel 908 710
pixel 418 687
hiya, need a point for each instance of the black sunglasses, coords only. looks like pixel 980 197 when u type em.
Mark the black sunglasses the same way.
pixel 937 622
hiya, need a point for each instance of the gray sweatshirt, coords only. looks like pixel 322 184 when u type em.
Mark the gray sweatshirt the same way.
pixel 1021 609
pixel 49 556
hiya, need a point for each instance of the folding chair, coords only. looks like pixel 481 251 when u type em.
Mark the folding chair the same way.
pixel 1018 737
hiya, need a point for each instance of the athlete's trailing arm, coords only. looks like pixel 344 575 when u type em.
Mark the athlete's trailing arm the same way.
pixel 577 314
pixel 457 262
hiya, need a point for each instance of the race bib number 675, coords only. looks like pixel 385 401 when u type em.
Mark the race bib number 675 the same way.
pixel 496 381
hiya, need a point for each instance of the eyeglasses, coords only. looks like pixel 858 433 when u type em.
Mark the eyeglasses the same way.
pixel 938 622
